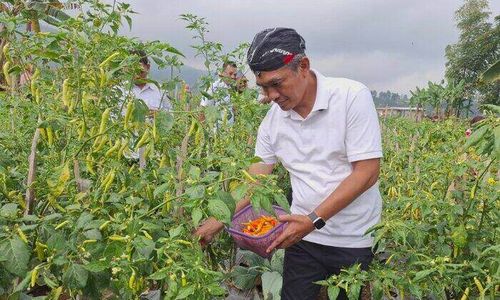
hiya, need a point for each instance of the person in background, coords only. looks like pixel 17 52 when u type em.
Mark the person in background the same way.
pixel 473 121
pixel 241 82
pixel 220 91
pixel 150 94
pixel 147 91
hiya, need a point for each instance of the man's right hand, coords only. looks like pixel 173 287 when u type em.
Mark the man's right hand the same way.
pixel 208 230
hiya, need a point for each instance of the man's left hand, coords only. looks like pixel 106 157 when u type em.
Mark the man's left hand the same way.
pixel 298 227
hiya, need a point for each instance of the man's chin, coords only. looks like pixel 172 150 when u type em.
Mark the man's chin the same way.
pixel 284 107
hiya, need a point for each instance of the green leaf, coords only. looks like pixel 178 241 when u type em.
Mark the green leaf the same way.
pixel 228 200
pixel 196 215
pixel 492 74
pixel 277 261
pixel 83 220
pixel 421 274
pixel 164 122
pixel 240 191
pixel 75 276
pixel 475 137
pixel 129 21
pixel 160 190
pixel 216 290
pixel 175 231
pixel 266 203
pixel 244 278
pixel 255 160
pixel 271 285
pixel 174 51
pixel 56 241
pixel 93 234
pixel 255 201
pixel 333 292
pixel 9 210
pixel 219 210
pixel 52 217
pixel 23 285
pixel 185 292
pixel 196 192
pixel 144 246
pixel 97 266
pixel 491 107
pixel 354 291
pixel 206 95
pixel 282 202
pixel 194 172
pixel 212 113
pixel 496 133
pixel 15 254
pixel 160 274
pixel 140 111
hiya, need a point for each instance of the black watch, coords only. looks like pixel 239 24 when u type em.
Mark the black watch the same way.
pixel 317 221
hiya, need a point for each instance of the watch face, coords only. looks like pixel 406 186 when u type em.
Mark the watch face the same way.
pixel 319 223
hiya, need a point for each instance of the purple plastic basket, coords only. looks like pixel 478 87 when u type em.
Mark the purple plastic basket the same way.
pixel 257 244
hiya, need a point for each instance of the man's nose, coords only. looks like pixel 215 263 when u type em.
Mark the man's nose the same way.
pixel 273 94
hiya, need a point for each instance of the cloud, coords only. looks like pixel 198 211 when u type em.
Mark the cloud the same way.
pixel 384 43
pixel 380 70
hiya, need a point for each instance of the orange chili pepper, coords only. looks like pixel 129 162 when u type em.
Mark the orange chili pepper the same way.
pixel 259 226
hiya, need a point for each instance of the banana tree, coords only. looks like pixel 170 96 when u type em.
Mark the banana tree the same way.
pixel 492 74
pixel 453 95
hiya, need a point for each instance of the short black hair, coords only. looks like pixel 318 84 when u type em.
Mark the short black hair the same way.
pixel 229 63
pixel 476 119
pixel 143 57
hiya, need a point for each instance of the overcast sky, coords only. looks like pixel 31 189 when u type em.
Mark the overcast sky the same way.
pixel 386 44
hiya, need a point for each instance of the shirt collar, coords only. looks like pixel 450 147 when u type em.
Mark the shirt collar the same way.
pixel 146 87
pixel 322 100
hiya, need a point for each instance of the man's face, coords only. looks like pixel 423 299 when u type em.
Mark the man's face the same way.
pixel 229 72
pixel 283 86
pixel 144 72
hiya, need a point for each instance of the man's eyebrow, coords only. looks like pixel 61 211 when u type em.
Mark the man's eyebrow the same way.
pixel 270 82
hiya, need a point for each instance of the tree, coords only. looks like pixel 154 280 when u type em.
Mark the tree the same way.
pixel 447 96
pixel 476 49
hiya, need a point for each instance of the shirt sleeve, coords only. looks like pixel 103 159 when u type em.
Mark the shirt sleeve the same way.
pixel 263 147
pixel 209 102
pixel 363 139
pixel 206 102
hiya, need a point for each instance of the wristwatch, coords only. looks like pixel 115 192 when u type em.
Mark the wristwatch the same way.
pixel 317 221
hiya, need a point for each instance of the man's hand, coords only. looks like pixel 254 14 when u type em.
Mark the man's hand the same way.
pixel 208 230
pixel 211 226
pixel 298 227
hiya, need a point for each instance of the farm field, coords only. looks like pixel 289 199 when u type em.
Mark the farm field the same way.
pixel 82 218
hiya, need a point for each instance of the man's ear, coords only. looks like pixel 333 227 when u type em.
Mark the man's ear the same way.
pixel 304 64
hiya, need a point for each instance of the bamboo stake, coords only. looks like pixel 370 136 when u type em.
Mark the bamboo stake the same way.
pixel 30 192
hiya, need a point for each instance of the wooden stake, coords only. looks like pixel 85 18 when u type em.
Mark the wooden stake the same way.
pixel 30 192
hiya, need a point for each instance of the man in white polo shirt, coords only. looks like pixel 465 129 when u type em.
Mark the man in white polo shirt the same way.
pixel 325 132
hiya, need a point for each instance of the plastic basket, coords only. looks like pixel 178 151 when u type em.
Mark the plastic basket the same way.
pixel 256 244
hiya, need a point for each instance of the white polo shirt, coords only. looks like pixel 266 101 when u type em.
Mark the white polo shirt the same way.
pixel 317 152
pixel 152 96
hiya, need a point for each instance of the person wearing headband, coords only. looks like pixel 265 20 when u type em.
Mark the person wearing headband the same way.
pixel 325 132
